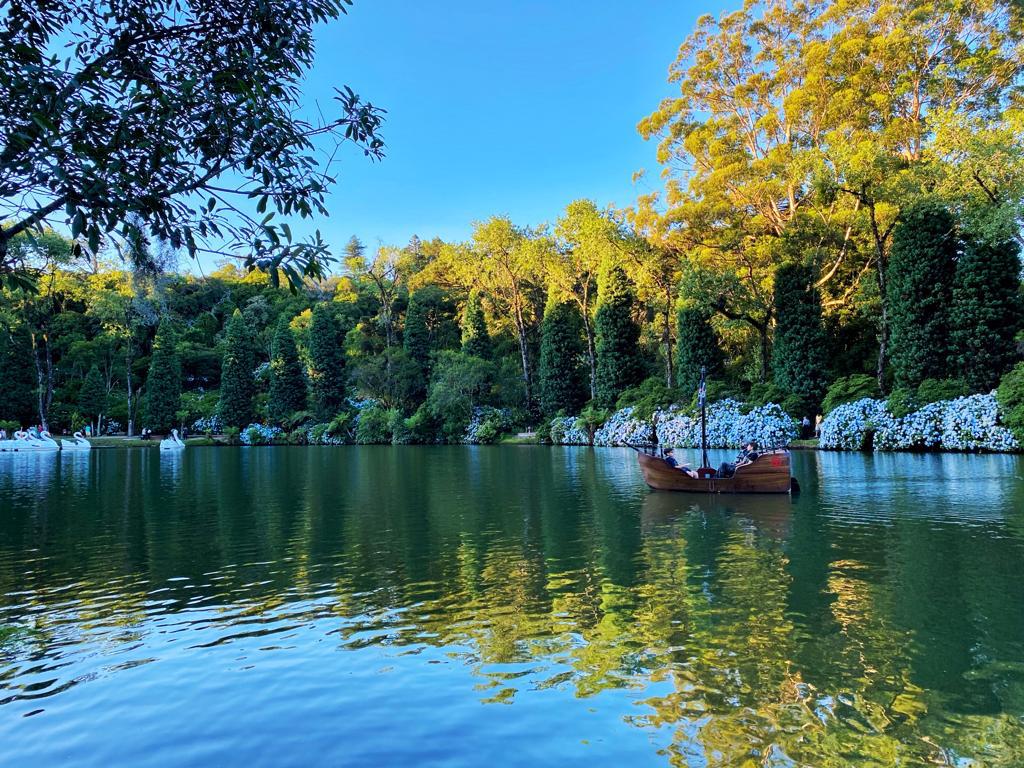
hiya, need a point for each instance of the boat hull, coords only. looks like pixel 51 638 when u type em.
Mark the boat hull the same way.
pixel 769 474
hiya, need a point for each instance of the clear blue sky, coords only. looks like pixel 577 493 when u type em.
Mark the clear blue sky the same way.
pixel 496 108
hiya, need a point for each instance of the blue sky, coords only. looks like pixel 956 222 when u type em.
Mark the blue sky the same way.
pixel 496 108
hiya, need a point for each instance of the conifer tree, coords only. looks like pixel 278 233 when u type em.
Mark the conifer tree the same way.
pixel 985 314
pixel 563 385
pixel 327 364
pixel 18 380
pixel 922 261
pixel 163 384
pixel 237 382
pixel 416 337
pixel 287 380
pixel 476 340
pixel 92 398
pixel 697 348
pixel 619 364
pixel 800 353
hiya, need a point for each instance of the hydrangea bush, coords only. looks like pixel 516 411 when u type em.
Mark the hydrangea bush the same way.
pixel 487 425
pixel 565 430
pixel 259 434
pixel 623 429
pixel 320 434
pixel 208 425
pixel 727 426
pixel 963 424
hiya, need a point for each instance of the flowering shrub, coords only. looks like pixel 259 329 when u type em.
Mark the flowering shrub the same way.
pixel 486 425
pixel 566 431
pixel 847 426
pixel 964 424
pixel 727 426
pixel 320 434
pixel 208 425
pixel 112 427
pixel 259 434
pixel 623 429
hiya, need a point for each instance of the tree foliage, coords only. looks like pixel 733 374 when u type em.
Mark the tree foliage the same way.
pixel 237 382
pixel 327 373
pixel 476 339
pixel 799 355
pixel 986 312
pixel 920 277
pixel 163 383
pixel 698 348
pixel 619 365
pixel 147 107
pixel 92 399
pixel 562 352
pixel 287 378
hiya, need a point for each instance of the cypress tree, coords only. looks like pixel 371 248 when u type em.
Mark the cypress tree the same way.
pixel 985 314
pixel 800 352
pixel 287 382
pixel 619 365
pixel 922 261
pixel 327 364
pixel 92 398
pixel 163 384
pixel 18 381
pixel 237 382
pixel 697 347
pixel 562 380
pixel 476 340
pixel 416 337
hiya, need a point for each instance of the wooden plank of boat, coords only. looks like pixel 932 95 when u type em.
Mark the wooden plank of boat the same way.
pixel 770 473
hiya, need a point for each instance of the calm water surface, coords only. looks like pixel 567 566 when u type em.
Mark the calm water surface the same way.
pixel 505 606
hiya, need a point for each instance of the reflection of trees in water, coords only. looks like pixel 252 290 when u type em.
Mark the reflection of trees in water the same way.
pixel 783 628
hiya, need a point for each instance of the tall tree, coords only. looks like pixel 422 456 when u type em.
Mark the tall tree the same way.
pixel 163 383
pixel 92 399
pixel 922 262
pixel 800 353
pixel 382 273
pixel 476 340
pixel 562 378
pixel 327 363
pixel 17 376
pixel 699 348
pixel 237 381
pixel 619 365
pixel 986 312
pixel 287 380
pixel 202 162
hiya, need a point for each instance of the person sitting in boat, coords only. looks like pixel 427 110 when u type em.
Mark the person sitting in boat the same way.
pixel 670 459
pixel 747 456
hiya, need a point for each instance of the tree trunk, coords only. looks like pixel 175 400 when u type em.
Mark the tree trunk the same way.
pixel 130 426
pixel 883 331
pixel 765 352
pixel 524 353
pixel 44 379
pixel 667 338
pixel 588 328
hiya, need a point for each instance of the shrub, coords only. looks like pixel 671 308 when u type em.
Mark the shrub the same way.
pixel 934 390
pixel 233 435
pixel 849 389
pixel 648 397
pixel 374 425
pixel 851 426
pixel 487 425
pixel 763 393
pixel 259 434
pixel 799 354
pixel 1011 400
pixel 590 420
pixel 297 437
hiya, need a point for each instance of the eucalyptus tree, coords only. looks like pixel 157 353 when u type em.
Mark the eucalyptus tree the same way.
pixel 184 112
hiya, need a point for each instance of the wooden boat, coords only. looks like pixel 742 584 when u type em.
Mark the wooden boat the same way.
pixel 770 473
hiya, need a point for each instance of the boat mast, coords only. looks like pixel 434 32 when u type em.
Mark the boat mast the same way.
pixel 702 399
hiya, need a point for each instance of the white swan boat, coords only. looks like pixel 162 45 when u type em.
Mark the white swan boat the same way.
pixel 23 442
pixel 78 444
pixel 172 443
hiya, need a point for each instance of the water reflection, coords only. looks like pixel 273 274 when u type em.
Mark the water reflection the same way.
pixel 874 619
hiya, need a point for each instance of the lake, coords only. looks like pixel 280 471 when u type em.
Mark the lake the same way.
pixel 509 606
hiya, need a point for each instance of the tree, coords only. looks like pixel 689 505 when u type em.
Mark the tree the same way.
pixel 800 352
pixel 327 363
pixel 920 272
pixel 619 365
pixel 237 382
pixel 562 379
pixel 986 312
pixel 92 399
pixel 17 376
pixel 476 340
pixel 163 384
pixel 287 379
pixel 382 273
pixel 698 348
pixel 184 112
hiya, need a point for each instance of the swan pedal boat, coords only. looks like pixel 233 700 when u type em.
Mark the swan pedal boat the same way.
pixel 78 444
pixel 172 443
pixel 23 442
pixel 769 473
